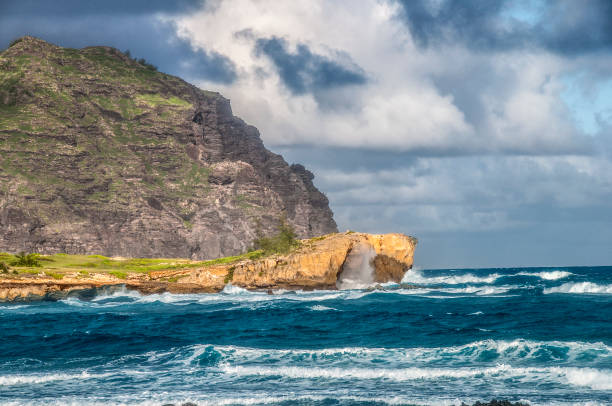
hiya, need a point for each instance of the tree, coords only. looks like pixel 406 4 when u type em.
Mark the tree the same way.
pixel 23 259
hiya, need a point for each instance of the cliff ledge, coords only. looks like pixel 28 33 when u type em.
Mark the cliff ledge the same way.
pixel 328 262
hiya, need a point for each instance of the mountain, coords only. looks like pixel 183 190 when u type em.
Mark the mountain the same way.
pixel 100 153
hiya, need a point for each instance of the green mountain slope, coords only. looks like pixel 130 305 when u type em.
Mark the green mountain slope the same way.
pixel 102 154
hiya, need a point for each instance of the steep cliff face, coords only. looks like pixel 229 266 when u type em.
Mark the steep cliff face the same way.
pixel 318 263
pixel 101 154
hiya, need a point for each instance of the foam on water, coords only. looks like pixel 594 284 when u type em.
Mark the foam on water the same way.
pixel 589 377
pixel 416 276
pixel 454 338
pixel 548 275
pixel 518 351
pixel 11 380
pixel 580 287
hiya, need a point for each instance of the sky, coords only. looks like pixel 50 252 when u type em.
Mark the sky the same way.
pixel 483 128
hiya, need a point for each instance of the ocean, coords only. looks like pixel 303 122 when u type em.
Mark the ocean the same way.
pixel 536 335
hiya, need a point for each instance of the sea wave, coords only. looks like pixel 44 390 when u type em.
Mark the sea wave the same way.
pixel 548 275
pixel 416 276
pixel 588 377
pixel 11 380
pixel 200 399
pixel 579 287
pixel 278 399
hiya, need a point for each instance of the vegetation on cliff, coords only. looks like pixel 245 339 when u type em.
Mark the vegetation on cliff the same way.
pixel 315 263
pixel 100 153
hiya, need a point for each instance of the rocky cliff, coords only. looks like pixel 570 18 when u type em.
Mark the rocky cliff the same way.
pixel 318 263
pixel 102 154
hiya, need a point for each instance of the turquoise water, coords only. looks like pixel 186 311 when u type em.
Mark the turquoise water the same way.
pixel 541 335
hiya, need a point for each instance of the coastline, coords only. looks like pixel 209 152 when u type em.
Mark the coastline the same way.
pixel 317 263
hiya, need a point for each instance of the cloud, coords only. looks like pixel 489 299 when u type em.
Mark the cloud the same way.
pixel 482 211
pixel 79 8
pixel 137 26
pixel 307 77
pixel 563 26
pixel 484 128
pixel 302 71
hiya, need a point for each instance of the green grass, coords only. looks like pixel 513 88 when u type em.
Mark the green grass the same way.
pixel 57 265
pixel 155 100
pixel 119 274
pixel 54 275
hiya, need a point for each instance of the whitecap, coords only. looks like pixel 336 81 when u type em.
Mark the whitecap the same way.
pixel 592 378
pixel 548 275
pixel 416 276
pixel 580 287
pixel 9 380
pixel 320 308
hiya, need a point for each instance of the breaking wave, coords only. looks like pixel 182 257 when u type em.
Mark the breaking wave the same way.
pixel 416 276
pixel 580 287
pixel 548 275
pixel 442 337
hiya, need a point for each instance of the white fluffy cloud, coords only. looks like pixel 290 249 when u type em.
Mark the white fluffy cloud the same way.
pixel 399 107
pixel 491 144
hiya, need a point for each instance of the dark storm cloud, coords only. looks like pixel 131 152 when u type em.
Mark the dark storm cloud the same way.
pixel 121 24
pixel 74 8
pixel 303 71
pixel 563 26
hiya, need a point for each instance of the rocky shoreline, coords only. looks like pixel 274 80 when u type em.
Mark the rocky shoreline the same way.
pixel 318 263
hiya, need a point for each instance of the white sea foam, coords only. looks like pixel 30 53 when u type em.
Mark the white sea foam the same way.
pixel 548 275
pixel 586 377
pixel 178 398
pixel 514 351
pixel 580 287
pixel 593 378
pixel 9 380
pixel 416 276
pixel 320 308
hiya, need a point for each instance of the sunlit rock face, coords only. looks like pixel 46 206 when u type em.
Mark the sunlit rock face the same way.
pixel 334 261
pixel 100 154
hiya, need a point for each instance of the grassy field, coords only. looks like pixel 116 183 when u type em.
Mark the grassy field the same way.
pixel 57 265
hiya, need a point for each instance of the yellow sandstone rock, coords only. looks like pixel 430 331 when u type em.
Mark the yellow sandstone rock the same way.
pixel 317 264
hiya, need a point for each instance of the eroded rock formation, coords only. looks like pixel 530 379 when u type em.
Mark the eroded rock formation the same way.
pixel 100 154
pixel 316 264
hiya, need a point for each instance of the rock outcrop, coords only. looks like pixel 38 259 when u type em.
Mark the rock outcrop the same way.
pixel 317 264
pixel 101 154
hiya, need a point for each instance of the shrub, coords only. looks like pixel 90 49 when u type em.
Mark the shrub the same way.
pixel 15 41
pixel 54 275
pixel 230 275
pixel 280 243
pixel 23 259
pixel 119 274
pixel 4 268
pixel 146 64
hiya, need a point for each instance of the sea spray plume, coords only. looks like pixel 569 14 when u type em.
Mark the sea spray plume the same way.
pixel 357 271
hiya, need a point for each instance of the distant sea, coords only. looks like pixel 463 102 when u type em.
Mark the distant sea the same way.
pixel 537 335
